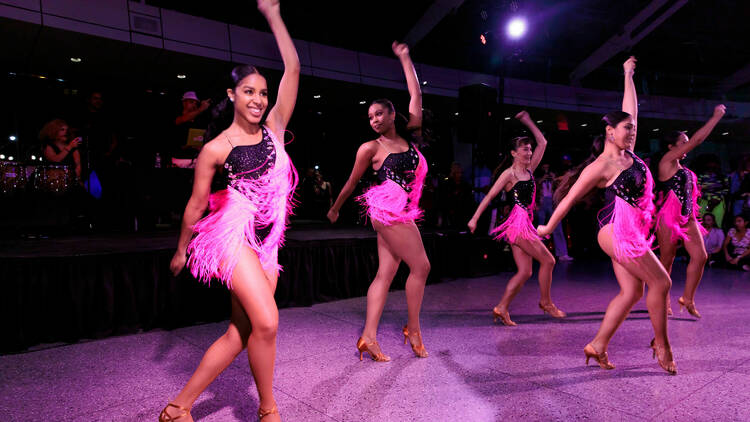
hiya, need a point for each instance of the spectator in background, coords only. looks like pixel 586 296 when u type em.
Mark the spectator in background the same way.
pixel 456 198
pixel 714 188
pixel 322 195
pixel 58 147
pixel 713 239
pixel 737 244
pixel 545 189
pixel 190 127
pixel 99 141
pixel 739 186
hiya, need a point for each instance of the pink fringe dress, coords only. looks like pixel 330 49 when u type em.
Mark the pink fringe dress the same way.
pixel 678 203
pixel 251 211
pixel 630 210
pixel 395 199
pixel 518 224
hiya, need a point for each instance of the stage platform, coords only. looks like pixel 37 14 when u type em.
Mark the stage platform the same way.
pixel 63 289
pixel 477 370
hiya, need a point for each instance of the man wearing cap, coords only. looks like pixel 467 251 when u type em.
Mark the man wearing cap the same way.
pixel 189 128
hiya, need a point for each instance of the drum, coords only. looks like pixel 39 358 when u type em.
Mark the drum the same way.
pixel 53 178
pixel 12 178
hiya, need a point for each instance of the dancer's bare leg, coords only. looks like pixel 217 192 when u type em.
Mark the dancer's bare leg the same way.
pixel 405 241
pixel 698 257
pixel 667 252
pixel 645 268
pixel 377 294
pixel 255 292
pixel 221 353
pixel 523 272
pixel 536 249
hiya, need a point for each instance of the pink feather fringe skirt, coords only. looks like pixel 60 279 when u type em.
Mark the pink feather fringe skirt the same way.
pixel 236 213
pixel 517 225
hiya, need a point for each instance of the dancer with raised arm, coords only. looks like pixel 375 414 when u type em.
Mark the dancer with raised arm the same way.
pixel 624 226
pixel 237 243
pixel 518 230
pixel 393 206
pixel 677 219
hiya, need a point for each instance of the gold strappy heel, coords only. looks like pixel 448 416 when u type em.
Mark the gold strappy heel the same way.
pixel 504 317
pixel 552 310
pixel 419 350
pixel 601 358
pixel 263 413
pixel 363 346
pixel 166 417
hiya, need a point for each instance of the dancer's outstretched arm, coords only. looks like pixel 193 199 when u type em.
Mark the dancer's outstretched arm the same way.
pixel 630 98
pixel 541 141
pixel 698 137
pixel 412 84
pixel 205 167
pixel 501 182
pixel 281 112
pixel 365 153
pixel 590 177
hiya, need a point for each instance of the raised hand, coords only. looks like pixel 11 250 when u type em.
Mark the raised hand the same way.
pixel 524 117
pixel 400 49
pixel 629 65
pixel 720 110
pixel 268 6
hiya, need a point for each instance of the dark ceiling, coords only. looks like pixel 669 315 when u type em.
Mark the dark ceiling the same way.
pixel 687 55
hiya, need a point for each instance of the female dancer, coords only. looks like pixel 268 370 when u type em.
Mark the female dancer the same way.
pixel 677 218
pixel 518 179
pixel 238 241
pixel 393 206
pixel 624 226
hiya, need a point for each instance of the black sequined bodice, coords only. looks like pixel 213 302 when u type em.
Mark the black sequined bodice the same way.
pixel 629 185
pixel 523 192
pixel 251 161
pixel 400 167
pixel 682 186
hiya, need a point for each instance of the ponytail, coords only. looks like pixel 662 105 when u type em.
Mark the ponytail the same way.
pixel 566 181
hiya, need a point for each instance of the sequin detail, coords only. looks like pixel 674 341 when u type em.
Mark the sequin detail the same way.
pixel 250 161
pixel 400 167
pixel 523 192
pixel 630 186
pixel 682 186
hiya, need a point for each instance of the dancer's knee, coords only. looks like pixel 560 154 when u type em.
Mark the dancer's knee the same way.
pixel 700 258
pixel 266 328
pixel 525 273
pixel 421 268
pixel 548 261
pixel 633 295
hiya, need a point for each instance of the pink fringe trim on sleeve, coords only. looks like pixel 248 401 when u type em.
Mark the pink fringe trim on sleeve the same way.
pixel 388 203
pixel 518 224
pixel 235 214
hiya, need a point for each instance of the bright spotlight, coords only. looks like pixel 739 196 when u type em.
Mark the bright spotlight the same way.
pixel 516 28
pixel 12 138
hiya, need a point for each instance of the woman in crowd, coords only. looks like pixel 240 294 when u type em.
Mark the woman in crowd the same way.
pixel 737 244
